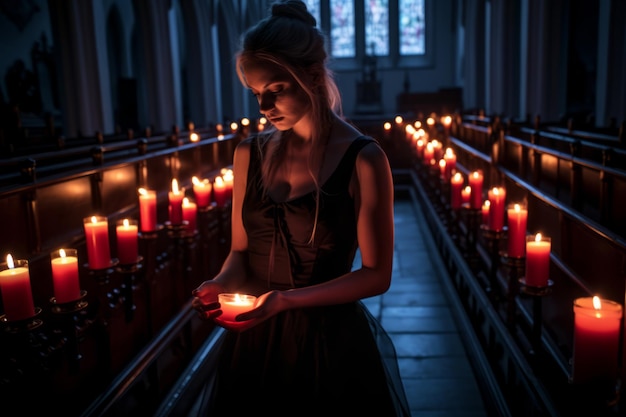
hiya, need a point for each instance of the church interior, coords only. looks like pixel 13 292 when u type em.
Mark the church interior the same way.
pixel 505 131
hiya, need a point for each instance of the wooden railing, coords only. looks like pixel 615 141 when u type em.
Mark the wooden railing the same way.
pixel 121 347
pixel 571 197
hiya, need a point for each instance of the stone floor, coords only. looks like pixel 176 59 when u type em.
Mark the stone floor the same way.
pixel 437 375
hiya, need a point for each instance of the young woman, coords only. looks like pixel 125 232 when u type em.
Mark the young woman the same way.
pixel 307 194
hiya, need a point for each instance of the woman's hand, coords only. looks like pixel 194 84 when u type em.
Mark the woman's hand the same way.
pixel 267 305
pixel 205 300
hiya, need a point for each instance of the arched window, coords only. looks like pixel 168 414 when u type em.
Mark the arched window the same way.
pixel 395 31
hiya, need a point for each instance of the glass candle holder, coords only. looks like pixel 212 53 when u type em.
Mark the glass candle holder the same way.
pixel 97 241
pixel 17 296
pixel 234 304
pixel 65 278
pixel 127 244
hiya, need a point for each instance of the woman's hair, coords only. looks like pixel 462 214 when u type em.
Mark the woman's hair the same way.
pixel 289 38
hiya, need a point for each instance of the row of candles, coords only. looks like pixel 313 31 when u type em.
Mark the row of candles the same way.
pixel 15 285
pixel 597 321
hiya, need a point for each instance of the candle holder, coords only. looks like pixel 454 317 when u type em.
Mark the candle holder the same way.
pixel 537 294
pixel 22 325
pixel 492 239
pixel 70 325
pixel 471 217
pixel 150 234
pixel 515 267
pixel 103 275
pixel 176 230
pixel 127 288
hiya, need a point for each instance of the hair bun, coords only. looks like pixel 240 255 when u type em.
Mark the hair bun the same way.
pixel 294 9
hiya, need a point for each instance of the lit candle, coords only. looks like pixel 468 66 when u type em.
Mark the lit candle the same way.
pixel 485 212
pixel 465 194
pixel 147 210
pixel 517 217
pixel 429 153
pixel 596 340
pixel 127 251
pixel 419 147
pixel 497 196
pixel 456 190
pixel 442 169
pixel 476 185
pixel 450 157
pixel 17 296
pixel 175 197
pixel 190 211
pixel 202 192
pixel 64 264
pixel 219 191
pixel 227 175
pixel 234 304
pixel 537 260
pixel 97 241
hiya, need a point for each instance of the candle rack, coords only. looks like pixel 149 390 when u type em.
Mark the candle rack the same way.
pixel 492 239
pixel 515 267
pixel 70 323
pixel 537 294
pixel 128 286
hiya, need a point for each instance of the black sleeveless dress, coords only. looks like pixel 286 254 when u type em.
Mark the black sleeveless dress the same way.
pixel 322 361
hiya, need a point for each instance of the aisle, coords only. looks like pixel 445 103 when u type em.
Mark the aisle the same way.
pixel 435 368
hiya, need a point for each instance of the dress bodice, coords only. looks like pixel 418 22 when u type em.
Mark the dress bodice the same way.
pixel 280 254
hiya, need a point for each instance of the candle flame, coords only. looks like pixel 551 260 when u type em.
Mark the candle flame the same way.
pixel 219 181
pixel 517 208
pixel 196 181
pixel 468 189
pixel 94 220
pixel 442 163
pixel 597 305
pixel 487 203
pixel 142 191
pixel 185 201
pixel 496 190
pixel 126 222
pixel 449 152
pixel 194 137
pixel 475 174
pixel 62 253
pixel 538 237
pixel 10 263
pixel 238 298
pixel 175 186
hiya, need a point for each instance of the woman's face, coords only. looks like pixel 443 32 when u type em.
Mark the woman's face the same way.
pixel 280 97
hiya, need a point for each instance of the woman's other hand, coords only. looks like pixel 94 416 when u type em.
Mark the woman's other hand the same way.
pixel 205 300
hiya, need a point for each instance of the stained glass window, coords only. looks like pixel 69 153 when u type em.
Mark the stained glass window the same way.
pixel 314 8
pixel 377 27
pixel 342 28
pixel 412 26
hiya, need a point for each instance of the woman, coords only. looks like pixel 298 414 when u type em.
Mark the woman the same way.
pixel 307 194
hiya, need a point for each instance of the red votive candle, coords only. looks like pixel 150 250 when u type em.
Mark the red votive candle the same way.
pixel 175 197
pixel 517 217
pixel 97 242
pixel 596 340
pixel 234 304
pixel 17 295
pixel 537 260
pixel 476 185
pixel 190 212
pixel 497 197
pixel 456 189
pixel 64 263
pixel 127 246
pixel 147 210
pixel 202 192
